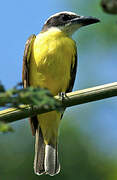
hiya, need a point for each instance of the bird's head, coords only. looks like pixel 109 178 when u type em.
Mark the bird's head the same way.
pixel 68 22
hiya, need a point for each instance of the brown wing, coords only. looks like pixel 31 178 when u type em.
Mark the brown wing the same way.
pixel 25 74
pixel 73 75
pixel 26 60
pixel 72 80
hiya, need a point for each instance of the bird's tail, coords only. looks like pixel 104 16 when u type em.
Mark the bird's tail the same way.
pixel 46 156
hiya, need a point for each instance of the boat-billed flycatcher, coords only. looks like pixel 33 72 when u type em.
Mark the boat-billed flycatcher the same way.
pixel 50 61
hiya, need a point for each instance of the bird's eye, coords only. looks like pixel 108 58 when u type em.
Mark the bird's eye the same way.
pixel 65 17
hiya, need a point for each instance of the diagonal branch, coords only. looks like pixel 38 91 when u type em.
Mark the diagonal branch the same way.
pixel 72 99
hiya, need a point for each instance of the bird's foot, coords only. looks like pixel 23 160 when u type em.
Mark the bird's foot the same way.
pixel 63 96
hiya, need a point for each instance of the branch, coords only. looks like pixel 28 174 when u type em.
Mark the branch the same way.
pixel 72 99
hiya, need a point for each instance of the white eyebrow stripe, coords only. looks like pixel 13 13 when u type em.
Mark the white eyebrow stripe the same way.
pixel 67 12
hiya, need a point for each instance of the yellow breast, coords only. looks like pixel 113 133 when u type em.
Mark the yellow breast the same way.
pixel 52 55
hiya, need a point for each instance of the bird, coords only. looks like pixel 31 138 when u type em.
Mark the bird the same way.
pixel 50 61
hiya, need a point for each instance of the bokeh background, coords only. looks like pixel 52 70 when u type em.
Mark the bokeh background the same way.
pixel 88 133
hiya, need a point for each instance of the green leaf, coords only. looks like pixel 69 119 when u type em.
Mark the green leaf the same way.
pixel 2 89
pixel 4 128
pixel 31 96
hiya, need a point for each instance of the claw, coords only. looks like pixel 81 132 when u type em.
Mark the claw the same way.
pixel 62 96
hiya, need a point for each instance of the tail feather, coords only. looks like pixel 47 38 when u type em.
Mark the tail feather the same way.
pixel 46 156
pixel 52 166
pixel 39 152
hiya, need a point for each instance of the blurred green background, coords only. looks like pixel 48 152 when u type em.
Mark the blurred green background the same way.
pixel 88 133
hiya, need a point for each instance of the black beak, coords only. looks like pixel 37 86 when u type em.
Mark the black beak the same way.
pixel 84 21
